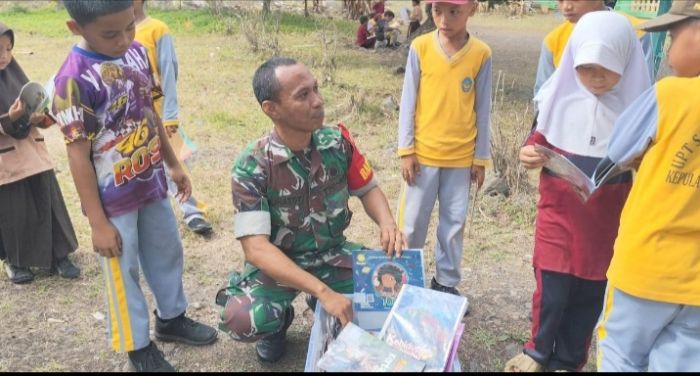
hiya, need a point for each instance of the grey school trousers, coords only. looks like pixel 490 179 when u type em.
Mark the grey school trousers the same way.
pixel 450 187
pixel 636 335
pixel 151 244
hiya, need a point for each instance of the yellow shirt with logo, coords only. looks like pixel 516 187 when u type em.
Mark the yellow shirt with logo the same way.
pixel 445 106
pixel 657 252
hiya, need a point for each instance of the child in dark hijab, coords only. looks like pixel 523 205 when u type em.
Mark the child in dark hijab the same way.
pixel 35 229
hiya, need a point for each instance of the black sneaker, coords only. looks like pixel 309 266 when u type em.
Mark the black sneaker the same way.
pixel 66 269
pixel 18 274
pixel 199 226
pixel 434 285
pixel 149 359
pixel 185 330
pixel 311 301
pixel 271 348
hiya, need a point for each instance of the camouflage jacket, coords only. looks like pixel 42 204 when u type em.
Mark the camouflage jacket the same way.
pixel 300 199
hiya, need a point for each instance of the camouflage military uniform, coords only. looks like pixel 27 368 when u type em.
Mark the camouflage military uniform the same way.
pixel 299 199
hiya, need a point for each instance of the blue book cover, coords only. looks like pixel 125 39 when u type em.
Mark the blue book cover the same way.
pixel 423 324
pixel 378 280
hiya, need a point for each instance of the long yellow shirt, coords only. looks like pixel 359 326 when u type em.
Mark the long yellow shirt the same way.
pixel 445 104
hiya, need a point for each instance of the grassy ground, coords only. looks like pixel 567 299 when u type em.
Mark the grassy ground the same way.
pixel 58 325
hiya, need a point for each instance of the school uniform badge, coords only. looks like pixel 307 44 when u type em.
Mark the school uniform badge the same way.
pixel 467 84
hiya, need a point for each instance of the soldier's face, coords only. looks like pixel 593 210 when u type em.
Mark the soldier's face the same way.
pixel 299 103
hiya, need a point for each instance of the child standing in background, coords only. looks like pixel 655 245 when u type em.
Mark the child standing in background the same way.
pixel 155 36
pixel 35 229
pixel 602 71
pixel 444 142
pixel 555 42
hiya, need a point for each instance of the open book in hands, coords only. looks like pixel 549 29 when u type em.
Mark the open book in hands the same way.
pixel 584 186
pixel 34 97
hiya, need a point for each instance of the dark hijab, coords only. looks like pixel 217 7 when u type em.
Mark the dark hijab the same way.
pixel 12 78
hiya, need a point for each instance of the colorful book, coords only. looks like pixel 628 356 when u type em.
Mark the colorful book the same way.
pixel 455 347
pixel 423 323
pixel 324 331
pixel 378 280
pixel 355 350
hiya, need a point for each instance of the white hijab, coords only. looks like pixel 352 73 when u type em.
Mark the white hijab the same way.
pixel 571 117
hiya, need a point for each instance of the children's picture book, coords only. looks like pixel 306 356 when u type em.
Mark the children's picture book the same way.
pixel 455 347
pixel 377 282
pixel 34 97
pixel 423 323
pixel 355 350
pixel 583 185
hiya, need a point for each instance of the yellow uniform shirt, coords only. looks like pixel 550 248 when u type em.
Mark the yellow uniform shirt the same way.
pixel 445 104
pixel 657 252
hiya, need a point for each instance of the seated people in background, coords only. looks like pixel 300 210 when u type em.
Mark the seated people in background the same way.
pixel 363 36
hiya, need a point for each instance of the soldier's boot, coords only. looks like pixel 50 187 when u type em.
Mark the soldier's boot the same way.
pixel 272 347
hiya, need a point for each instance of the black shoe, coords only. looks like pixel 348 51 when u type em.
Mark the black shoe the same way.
pixel 66 269
pixel 185 330
pixel 19 275
pixel 199 226
pixel 272 347
pixel 434 285
pixel 149 359
pixel 311 301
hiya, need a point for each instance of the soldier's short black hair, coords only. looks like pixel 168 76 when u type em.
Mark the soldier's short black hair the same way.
pixel 265 83
pixel 86 11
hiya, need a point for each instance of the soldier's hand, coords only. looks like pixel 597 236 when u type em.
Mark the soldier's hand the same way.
pixel 392 240
pixel 337 306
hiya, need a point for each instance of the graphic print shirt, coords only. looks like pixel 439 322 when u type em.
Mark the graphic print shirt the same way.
pixel 108 102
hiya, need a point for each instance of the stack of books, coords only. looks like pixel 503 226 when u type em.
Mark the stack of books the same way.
pixel 400 326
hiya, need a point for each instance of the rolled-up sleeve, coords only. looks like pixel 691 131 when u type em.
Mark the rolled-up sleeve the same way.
pixel 249 190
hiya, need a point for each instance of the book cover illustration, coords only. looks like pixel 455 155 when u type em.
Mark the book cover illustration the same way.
pixel 378 279
pixel 423 323
pixel 582 184
pixel 355 350
pixel 34 97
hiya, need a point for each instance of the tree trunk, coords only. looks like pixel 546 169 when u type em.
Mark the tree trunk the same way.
pixel 306 8
pixel 266 6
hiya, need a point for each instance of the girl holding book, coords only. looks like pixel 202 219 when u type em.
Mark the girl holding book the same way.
pixel 602 71
pixel 35 229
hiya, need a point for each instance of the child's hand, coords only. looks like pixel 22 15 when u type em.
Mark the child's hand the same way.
pixel 410 168
pixel 477 175
pixel 106 240
pixel 16 110
pixel 530 158
pixel 184 188
pixel 36 119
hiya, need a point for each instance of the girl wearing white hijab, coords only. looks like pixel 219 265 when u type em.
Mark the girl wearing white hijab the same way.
pixel 602 71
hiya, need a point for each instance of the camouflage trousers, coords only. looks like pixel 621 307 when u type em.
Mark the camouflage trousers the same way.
pixel 254 305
